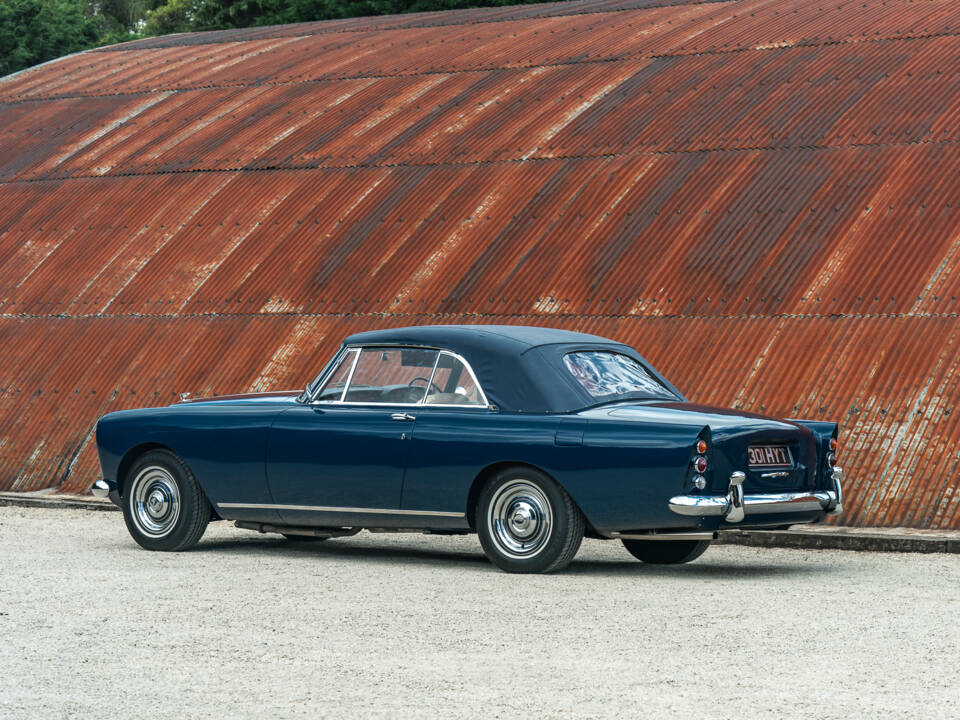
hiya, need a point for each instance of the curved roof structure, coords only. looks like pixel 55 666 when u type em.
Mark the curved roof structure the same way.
pixel 520 368
pixel 759 195
pixel 505 339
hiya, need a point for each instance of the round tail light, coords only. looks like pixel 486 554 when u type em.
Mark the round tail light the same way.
pixel 701 446
pixel 700 464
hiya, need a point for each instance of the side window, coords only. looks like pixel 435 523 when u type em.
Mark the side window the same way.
pixel 333 389
pixel 453 384
pixel 391 375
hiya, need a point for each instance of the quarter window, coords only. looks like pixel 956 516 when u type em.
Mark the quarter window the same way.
pixel 333 390
pixel 453 384
pixel 391 375
pixel 606 374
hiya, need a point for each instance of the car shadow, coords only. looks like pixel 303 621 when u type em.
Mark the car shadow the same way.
pixel 334 549
pixel 704 568
pixel 700 569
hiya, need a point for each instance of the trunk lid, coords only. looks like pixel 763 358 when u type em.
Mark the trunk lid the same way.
pixel 731 435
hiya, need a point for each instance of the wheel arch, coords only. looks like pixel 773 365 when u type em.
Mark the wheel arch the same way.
pixel 131 456
pixel 491 470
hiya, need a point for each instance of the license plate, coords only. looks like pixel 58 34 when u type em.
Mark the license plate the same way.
pixel 769 456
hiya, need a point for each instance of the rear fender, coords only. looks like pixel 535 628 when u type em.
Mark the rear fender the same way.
pixel 824 433
pixel 625 471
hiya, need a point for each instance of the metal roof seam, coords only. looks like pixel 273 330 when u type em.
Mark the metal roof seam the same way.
pixel 467 163
pixel 640 55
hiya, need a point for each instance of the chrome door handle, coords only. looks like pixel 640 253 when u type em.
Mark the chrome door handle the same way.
pixel 402 416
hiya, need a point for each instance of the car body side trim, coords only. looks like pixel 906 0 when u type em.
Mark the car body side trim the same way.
pixel 325 508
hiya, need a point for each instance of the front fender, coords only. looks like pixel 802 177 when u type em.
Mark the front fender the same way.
pixel 223 445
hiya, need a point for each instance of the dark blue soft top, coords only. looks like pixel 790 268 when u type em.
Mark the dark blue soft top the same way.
pixel 520 368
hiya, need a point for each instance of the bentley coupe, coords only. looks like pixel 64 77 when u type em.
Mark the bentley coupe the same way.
pixel 532 438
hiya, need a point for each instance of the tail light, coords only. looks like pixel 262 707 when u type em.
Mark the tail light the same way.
pixel 831 457
pixel 700 463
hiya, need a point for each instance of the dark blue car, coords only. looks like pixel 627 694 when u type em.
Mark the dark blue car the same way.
pixel 530 437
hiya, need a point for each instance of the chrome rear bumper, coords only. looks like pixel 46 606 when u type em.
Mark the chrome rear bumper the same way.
pixel 734 506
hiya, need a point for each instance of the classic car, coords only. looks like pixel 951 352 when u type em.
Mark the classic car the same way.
pixel 531 437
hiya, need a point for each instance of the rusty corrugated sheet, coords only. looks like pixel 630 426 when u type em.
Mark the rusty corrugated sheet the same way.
pixel 761 195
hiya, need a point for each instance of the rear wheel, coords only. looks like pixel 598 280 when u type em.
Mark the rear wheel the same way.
pixel 527 523
pixel 163 505
pixel 666 552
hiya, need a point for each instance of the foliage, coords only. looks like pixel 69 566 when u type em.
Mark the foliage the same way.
pixel 33 31
pixel 187 15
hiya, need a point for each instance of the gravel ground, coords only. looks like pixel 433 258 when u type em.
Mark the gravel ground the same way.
pixel 252 626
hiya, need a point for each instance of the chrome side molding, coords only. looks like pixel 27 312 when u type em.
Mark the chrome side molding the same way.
pixel 333 509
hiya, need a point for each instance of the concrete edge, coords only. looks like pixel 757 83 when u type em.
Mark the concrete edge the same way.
pixel 843 539
pixel 58 502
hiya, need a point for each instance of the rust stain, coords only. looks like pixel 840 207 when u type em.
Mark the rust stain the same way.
pixel 760 195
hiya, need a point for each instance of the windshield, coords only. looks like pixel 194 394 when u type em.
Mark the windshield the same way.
pixel 612 376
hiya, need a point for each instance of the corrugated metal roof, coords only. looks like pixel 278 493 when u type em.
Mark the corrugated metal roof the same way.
pixel 760 195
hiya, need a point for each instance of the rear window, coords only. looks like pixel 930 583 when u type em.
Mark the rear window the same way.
pixel 606 375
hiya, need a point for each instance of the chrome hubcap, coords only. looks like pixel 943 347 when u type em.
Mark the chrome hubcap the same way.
pixel 523 518
pixel 157 504
pixel 155 501
pixel 520 519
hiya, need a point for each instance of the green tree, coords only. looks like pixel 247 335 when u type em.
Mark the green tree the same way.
pixel 173 16
pixel 119 20
pixel 34 31
pixel 183 15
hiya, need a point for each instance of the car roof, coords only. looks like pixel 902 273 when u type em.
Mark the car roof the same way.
pixel 520 368
pixel 502 337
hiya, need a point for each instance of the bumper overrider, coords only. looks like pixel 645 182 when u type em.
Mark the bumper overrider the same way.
pixel 106 489
pixel 735 505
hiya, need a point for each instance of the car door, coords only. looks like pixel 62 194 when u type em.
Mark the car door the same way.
pixel 456 435
pixel 341 459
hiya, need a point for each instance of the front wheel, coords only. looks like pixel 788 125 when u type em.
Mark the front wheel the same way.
pixel 666 552
pixel 163 505
pixel 527 523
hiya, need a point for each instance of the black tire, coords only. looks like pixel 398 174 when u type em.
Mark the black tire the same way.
pixel 539 505
pixel 163 505
pixel 666 552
